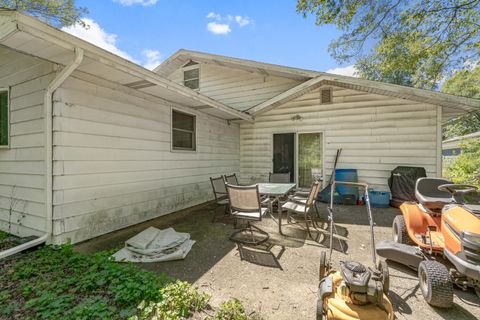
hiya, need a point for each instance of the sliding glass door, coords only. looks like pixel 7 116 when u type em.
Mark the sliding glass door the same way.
pixel 310 158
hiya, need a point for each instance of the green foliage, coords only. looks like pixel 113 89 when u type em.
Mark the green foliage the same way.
pixel 463 83
pixel 231 310
pixel 466 167
pixel 59 13
pixel 406 42
pixel 58 283
pixel 54 282
pixel 179 301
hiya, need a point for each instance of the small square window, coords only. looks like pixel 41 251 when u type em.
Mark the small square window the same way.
pixel 191 78
pixel 183 131
pixel 4 123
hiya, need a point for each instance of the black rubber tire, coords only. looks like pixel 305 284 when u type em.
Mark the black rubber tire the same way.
pixel 399 231
pixel 319 309
pixel 323 265
pixel 383 268
pixel 436 284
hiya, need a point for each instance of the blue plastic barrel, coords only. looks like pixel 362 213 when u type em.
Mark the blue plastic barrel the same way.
pixel 346 175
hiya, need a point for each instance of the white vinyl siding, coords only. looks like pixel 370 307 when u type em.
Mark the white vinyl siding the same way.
pixel 236 88
pixel 22 164
pixel 377 133
pixel 112 161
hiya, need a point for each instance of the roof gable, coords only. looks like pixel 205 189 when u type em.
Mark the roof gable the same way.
pixel 309 80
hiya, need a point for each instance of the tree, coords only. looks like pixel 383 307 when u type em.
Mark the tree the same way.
pixel 466 167
pixel 412 42
pixel 463 83
pixel 58 13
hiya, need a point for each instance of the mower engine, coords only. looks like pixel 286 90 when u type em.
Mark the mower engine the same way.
pixel 360 284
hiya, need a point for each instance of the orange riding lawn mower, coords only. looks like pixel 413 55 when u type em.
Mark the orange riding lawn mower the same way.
pixel 440 238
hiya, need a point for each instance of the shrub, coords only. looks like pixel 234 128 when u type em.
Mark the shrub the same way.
pixel 179 301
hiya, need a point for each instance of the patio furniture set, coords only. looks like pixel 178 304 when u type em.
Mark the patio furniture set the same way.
pixel 252 202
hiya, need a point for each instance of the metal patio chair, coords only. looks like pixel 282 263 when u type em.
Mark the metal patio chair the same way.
pixel 279 177
pixel 220 193
pixel 245 204
pixel 300 205
pixel 231 179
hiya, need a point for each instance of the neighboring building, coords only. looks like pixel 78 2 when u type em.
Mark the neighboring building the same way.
pixel 452 147
pixel 92 143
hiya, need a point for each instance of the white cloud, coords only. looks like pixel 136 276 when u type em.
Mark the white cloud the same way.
pixel 98 36
pixel 242 21
pixel 218 28
pixel 350 71
pixel 213 15
pixel 144 3
pixel 223 24
pixel 152 58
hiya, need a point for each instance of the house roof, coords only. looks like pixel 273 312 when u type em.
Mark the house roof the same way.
pixel 452 105
pixel 455 143
pixel 30 36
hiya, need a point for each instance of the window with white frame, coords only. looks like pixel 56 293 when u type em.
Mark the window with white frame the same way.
pixel 191 75
pixel 183 131
pixel 4 122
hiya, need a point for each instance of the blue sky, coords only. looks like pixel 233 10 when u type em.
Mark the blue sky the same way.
pixel 149 31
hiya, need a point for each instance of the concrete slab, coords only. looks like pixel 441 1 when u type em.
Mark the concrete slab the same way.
pixel 279 280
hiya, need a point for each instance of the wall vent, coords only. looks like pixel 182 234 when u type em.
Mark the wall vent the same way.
pixel 140 84
pixel 326 96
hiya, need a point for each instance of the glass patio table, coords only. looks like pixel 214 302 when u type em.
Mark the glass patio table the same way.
pixel 276 190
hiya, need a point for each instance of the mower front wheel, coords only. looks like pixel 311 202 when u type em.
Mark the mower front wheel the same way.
pixel 319 309
pixel 436 284
pixel 399 231
pixel 383 268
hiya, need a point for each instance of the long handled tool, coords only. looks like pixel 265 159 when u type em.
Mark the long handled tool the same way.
pixel 327 190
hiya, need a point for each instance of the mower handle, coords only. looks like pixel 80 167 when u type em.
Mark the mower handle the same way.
pixel 455 189
pixel 367 205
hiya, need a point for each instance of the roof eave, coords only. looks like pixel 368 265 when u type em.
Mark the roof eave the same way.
pixel 19 22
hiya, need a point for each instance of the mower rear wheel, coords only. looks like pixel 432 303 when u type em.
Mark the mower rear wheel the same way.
pixel 323 265
pixel 436 284
pixel 399 231
pixel 383 268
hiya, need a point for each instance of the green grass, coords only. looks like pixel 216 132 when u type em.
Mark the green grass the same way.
pixel 58 283
pixel 3 235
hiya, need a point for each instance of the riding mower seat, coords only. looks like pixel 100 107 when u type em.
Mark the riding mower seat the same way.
pixel 427 193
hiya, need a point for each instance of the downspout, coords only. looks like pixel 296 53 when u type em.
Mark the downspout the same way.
pixel 48 118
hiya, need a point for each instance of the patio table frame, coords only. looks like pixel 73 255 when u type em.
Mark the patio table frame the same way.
pixel 276 190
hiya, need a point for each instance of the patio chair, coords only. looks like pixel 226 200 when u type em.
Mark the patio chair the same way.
pixel 279 177
pixel 220 193
pixel 300 205
pixel 245 204
pixel 231 179
pixel 303 193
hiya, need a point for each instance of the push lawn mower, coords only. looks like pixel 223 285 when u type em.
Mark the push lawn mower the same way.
pixel 440 237
pixel 354 292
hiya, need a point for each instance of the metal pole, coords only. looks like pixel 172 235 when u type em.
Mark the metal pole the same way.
pixel 369 212
pixel 330 217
